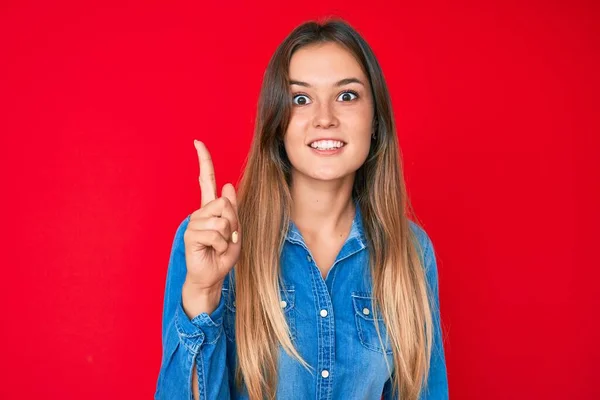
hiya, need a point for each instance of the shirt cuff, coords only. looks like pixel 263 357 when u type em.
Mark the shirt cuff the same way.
pixel 202 329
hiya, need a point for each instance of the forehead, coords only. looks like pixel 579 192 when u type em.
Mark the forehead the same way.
pixel 324 63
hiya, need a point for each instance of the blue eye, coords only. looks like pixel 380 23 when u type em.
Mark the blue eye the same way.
pixel 302 100
pixel 347 96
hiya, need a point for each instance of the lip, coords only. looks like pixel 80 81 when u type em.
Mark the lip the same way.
pixel 331 152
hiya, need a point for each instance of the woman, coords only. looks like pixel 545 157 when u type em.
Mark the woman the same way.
pixel 311 281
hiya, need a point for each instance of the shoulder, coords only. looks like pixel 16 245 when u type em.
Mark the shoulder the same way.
pixel 425 249
pixel 423 241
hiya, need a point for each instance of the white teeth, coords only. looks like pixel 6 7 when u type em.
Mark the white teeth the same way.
pixel 326 144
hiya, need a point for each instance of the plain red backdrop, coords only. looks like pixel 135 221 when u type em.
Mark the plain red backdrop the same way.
pixel 497 112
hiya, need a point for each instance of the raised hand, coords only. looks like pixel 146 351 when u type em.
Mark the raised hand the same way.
pixel 212 241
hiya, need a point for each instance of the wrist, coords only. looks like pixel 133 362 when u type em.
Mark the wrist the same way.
pixel 197 300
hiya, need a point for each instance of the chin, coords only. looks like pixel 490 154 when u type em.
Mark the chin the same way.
pixel 328 175
pixel 324 173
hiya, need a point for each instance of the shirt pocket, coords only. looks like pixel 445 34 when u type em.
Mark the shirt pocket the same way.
pixel 287 303
pixel 365 324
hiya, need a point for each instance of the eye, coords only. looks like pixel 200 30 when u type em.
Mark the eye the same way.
pixel 348 96
pixel 301 100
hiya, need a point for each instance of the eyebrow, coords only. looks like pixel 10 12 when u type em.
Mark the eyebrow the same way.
pixel 342 82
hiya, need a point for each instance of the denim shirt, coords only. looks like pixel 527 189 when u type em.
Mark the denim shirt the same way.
pixel 330 322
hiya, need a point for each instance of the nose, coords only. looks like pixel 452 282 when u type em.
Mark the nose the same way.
pixel 324 116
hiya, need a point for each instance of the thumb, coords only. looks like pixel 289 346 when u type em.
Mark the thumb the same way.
pixel 229 192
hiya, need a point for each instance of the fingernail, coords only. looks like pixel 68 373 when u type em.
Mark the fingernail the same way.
pixel 234 237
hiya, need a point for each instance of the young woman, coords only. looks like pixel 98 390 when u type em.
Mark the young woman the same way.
pixel 311 282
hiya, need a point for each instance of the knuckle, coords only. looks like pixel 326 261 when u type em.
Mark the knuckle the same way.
pixel 194 216
pixel 215 236
pixel 207 178
pixel 223 223
pixel 214 224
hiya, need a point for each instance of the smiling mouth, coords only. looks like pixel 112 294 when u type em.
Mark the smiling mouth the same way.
pixel 328 151
pixel 325 145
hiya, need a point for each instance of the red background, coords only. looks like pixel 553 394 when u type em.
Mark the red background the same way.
pixel 497 109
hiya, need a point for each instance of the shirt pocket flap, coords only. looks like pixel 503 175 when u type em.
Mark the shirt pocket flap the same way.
pixel 363 306
pixel 288 298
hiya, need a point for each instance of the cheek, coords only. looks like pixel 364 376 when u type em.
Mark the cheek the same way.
pixel 360 120
pixel 359 152
pixel 299 121
pixel 359 128
pixel 293 140
pixel 296 131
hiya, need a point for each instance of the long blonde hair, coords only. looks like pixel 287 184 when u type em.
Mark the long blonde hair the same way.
pixel 399 285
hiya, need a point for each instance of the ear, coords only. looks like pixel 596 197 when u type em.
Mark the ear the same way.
pixel 375 124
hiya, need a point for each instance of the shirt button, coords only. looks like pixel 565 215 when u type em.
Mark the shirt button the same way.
pixel 308 258
pixel 283 303
pixel 325 373
pixel 366 311
pixel 323 313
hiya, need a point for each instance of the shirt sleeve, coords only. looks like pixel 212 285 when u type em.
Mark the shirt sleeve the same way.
pixel 436 387
pixel 187 343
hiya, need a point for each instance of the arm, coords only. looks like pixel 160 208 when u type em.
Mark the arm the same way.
pixel 193 349
pixel 437 383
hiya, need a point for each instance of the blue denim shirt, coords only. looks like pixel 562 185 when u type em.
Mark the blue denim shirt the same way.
pixel 330 323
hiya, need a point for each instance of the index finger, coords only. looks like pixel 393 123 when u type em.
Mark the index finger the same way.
pixel 208 186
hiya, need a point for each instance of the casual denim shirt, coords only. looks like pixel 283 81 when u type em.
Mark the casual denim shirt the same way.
pixel 330 320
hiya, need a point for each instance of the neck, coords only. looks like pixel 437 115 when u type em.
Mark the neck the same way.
pixel 322 207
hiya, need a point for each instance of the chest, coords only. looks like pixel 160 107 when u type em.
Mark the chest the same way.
pixel 329 326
